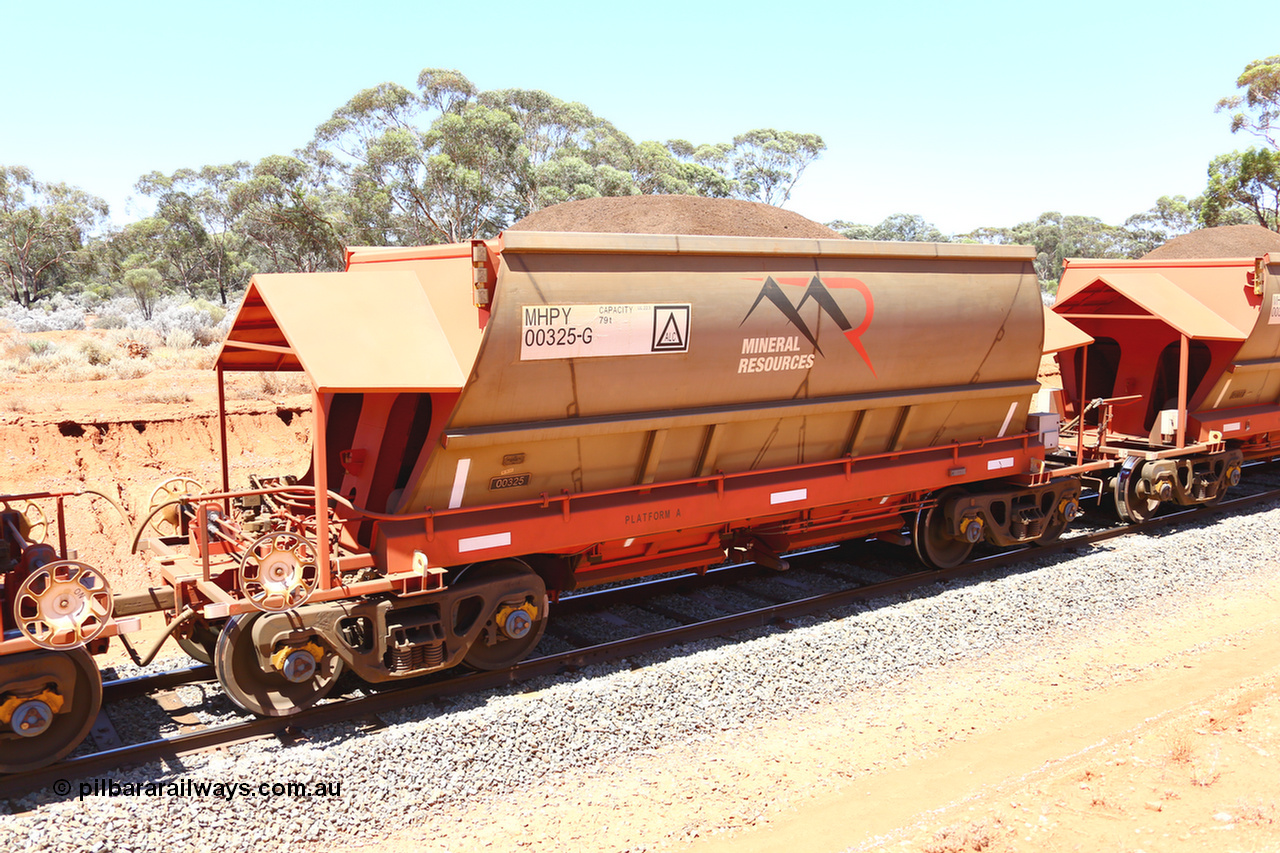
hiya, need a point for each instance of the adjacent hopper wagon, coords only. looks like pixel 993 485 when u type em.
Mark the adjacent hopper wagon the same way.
pixel 1180 380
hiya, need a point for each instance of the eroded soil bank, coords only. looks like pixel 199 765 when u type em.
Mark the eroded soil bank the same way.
pixel 127 458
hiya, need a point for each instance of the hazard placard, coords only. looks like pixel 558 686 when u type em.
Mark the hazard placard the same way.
pixel 586 331
pixel 670 328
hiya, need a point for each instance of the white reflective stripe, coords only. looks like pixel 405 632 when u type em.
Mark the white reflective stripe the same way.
pixel 1218 402
pixel 1013 407
pixel 997 464
pixel 627 544
pixel 459 483
pixel 480 543
pixel 789 496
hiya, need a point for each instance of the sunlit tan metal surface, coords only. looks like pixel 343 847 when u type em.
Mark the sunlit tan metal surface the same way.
pixel 1157 295
pixel 782 351
pixel 1061 334
pixel 1224 284
pixel 352 331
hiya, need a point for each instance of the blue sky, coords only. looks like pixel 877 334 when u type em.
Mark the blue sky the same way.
pixel 968 114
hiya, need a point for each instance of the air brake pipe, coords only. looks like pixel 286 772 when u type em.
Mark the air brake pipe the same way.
pixel 220 496
pixel 183 617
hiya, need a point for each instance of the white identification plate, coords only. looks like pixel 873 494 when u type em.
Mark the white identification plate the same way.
pixel 1275 310
pixel 584 331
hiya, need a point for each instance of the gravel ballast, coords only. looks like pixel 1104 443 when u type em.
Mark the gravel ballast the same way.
pixel 492 744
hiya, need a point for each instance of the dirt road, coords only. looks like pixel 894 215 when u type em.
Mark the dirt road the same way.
pixel 1159 734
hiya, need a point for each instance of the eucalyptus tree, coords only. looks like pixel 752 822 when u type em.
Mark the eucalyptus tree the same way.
pixel 449 162
pixel 1171 216
pixel 908 227
pixel 564 151
pixel 1057 237
pixel 201 224
pixel 1248 182
pixel 288 217
pixel 1243 182
pixel 426 167
pixel 767 163
pixel 44 228
pixel 1258 109
pixel 701 169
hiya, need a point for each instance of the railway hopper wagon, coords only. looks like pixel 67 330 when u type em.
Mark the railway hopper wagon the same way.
pixel 499 422
pixel 56 613
pixel 1180 379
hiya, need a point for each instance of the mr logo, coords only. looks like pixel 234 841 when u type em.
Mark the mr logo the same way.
pixel 818 292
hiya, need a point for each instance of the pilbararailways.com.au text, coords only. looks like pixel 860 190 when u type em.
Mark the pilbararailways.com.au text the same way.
pixel 190 788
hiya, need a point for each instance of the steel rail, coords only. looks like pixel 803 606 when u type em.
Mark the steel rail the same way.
pixel 346 710
pixel 140 685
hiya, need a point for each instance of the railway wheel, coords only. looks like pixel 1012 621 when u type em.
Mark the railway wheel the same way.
pixel 935 547
pixel 514 625
pixel 33 524
pixel 168 521
pixel 48 702
pixel 1060 519
pixel 1132 505
pixel 201 641
pixel 294 679
pixel 278 572
pixel 63 605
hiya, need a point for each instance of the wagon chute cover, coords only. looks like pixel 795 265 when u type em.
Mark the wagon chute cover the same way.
pixel 349 332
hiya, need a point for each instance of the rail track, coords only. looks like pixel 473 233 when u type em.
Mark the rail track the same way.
pixel 898 578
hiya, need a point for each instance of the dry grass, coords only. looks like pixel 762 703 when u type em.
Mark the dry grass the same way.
pixel 192 358
pixel 113 354
pixel 174 393
pixel 957 839
pixel 1259 813
pixel 1203 778
pixel 256 386
pixel 1180 749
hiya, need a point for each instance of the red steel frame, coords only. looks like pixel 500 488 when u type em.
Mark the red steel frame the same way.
pixel 678 524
